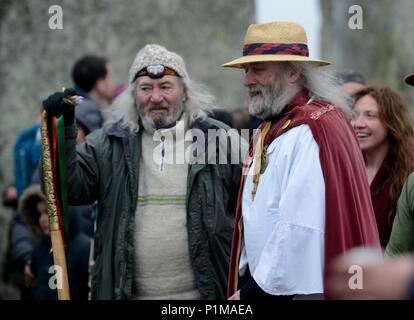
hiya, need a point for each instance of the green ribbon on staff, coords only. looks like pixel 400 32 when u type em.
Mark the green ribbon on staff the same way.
pixel 60 128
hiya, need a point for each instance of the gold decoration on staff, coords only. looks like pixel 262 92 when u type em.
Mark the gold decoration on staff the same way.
pixel 56 236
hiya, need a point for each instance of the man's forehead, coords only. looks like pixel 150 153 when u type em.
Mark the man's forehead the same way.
pixel 261 63
pixel 165 79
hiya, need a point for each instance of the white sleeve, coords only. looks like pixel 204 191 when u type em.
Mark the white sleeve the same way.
pixel 291 260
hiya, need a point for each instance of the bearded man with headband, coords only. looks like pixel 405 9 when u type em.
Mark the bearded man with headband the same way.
pixel 164 227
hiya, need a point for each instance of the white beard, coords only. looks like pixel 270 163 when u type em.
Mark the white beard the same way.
pixel 159 121
pixel 272 100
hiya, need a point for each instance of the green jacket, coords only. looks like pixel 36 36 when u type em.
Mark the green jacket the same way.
pixel 402 235
pixel 106 168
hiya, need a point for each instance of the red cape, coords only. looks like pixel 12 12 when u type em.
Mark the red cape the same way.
pixel 349 216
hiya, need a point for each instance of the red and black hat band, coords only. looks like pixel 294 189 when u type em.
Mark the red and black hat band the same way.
pixel 298 49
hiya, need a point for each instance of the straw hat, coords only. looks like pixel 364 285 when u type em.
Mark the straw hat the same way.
pixel 410 79
pixel 275 41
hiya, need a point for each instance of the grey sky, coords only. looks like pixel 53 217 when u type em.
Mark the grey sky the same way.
pixel 305 12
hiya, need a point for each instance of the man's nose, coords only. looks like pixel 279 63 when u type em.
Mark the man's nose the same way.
pixel 156 96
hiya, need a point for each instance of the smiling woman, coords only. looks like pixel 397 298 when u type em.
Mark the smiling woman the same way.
pixel 386 138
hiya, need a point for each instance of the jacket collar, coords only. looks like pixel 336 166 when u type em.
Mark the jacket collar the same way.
pixel 115 128
pixel 82 92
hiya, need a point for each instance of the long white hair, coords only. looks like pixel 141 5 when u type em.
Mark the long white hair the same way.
pixel 198 105
pixel 322 85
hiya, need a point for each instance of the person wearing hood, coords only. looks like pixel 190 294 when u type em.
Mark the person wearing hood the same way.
pixel 33 207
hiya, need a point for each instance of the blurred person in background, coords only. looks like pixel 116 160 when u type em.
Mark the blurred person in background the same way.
pixel 402 235
pixel 92 76
pixel 386 137
pixel 33 208
pixel 392 277
pixel 351 81
pixel 362 274
pixel 26 153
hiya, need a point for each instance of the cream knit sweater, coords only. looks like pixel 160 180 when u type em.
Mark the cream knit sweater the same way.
pixel 162 262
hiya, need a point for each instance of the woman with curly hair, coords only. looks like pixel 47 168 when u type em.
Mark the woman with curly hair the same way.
pixel 383 128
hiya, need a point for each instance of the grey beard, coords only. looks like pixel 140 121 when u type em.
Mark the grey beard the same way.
pixel 159 122
pixel 273 100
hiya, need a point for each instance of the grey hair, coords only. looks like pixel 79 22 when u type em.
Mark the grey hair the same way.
pixel 322 85
pixel 198 105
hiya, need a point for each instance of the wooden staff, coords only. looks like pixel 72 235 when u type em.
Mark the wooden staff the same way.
pixel 56 235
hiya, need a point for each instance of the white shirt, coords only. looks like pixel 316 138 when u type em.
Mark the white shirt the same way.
pixel 284 226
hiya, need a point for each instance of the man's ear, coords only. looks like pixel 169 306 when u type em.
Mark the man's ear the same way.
pixel 294 75
pixel 98 85
pixel 185 96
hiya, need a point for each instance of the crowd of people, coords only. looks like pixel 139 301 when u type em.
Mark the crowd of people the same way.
pixel 180 206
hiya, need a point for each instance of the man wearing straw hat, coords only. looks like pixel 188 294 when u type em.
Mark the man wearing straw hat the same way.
pixel 304 196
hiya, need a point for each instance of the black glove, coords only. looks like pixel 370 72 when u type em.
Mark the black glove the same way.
pixel 55 106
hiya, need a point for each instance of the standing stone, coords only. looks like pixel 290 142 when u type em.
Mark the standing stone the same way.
pixel 383 50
